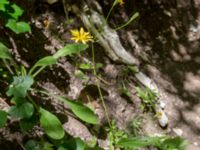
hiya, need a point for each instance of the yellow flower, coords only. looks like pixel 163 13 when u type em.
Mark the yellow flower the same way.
pixel 81 36
pixel 121 2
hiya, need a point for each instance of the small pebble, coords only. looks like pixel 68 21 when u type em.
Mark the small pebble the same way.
pixel 178 131
pixel 162 104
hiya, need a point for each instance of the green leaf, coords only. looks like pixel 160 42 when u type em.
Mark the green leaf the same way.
pixel 20 86
pixel 86 66
pixel 99 65
pixel 43 62
pixel 25 110
pixel 80 75
pixel 70 49
pixel 51 124
pixel 47 146
pixel 92 143
pixel 18 27
pixel 15 11
pixel 27 124
pixel 138 142
pixel 133 17
pixel 18 100
pixel 4 53
pixel 133 69
pixel 3 4
pixel 81 111
pixel 74 144
pixel 3 118
pixel 32 145
pixel 175 143
pixel 48 60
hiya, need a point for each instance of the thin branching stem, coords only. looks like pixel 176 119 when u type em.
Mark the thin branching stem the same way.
pixel 38 71
pixel 98 87
pixel 113 5
pixel 8 67
pixel 32 101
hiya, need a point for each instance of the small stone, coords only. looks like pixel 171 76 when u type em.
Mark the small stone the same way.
pixel 178 131
pixel 195 143
pixel 162 104
pixel 163 119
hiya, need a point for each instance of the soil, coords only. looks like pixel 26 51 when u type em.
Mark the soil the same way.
pixel 168 37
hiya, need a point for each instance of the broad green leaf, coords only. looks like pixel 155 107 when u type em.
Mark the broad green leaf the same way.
pixel 27 124
pixel 3 4
pixel 48 60
pixel 18 100
pixel 20 86
pixel 18 27
pixel 138 142
pixel 15 11
pixel 4 53
pixel 74 144
pixel 25 110
pixel 51 124
pixel 3 118
pixel 43 62
pixel 32 145
pixel 70 49
pixel 81 111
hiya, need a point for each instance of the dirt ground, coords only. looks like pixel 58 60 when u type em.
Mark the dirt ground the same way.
pixel 172 47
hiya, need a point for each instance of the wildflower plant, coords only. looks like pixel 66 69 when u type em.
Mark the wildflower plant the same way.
pixel 27 110
pixel 29 113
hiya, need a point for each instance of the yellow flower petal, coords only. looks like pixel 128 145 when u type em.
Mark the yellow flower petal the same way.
pixel 121 2
pixel 74 32
pixel 81 36
pixel 82 32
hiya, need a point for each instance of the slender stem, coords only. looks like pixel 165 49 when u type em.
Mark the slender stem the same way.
pixel 21 146
pixel 110 10
pixel 98 87
pixel 32 101
pixel 66 11
pixel 38 71
pixel 8 67
pixel 128 22
pixel 106 82
pixel 31 70
pixel 42 92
